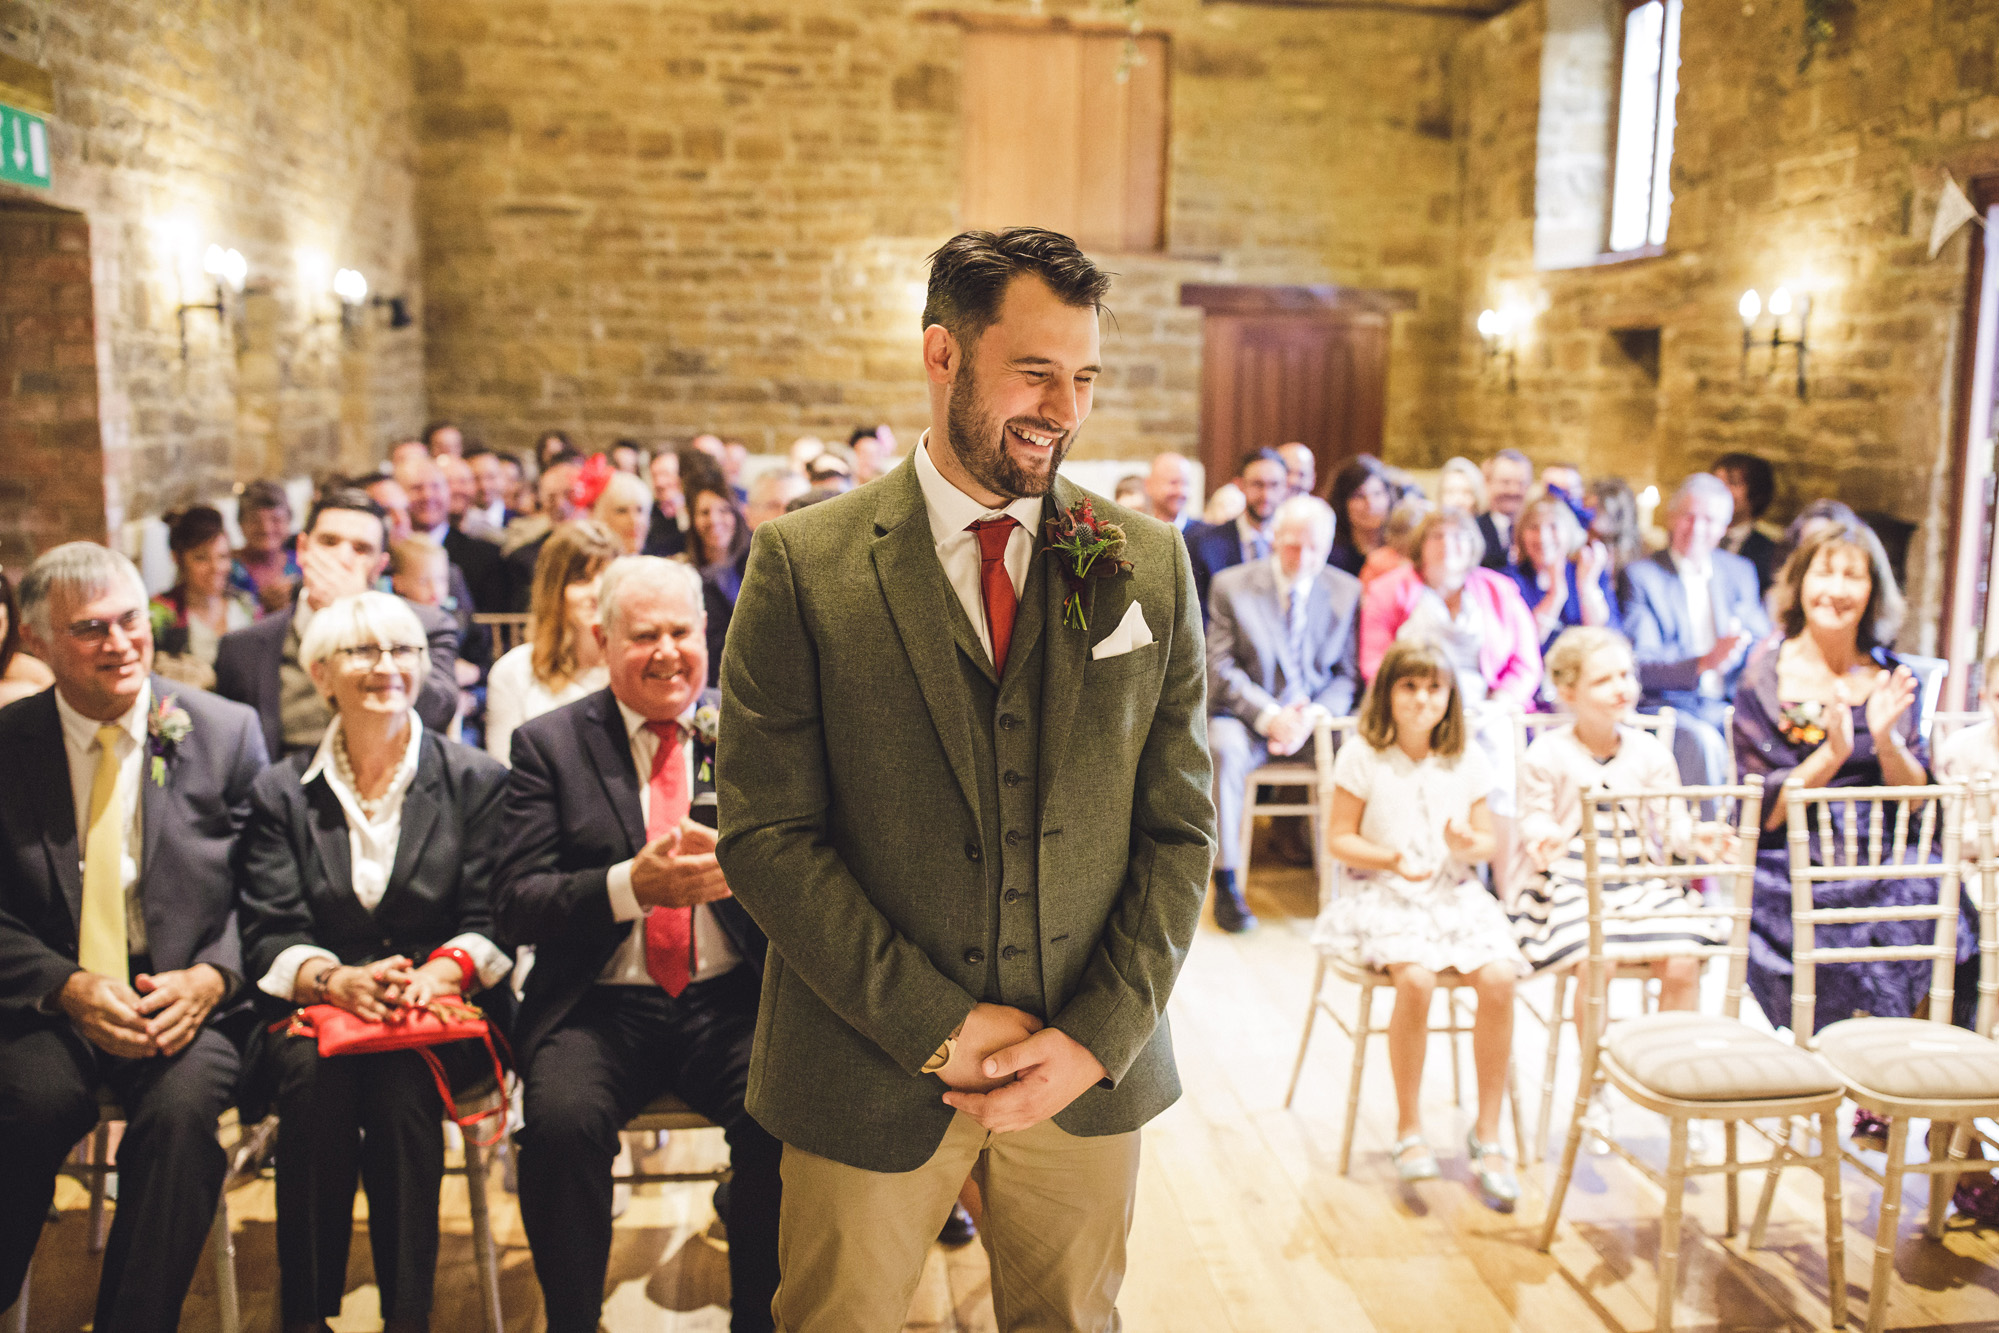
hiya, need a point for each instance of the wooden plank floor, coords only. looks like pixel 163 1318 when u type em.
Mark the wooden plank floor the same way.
pixel 1244 1224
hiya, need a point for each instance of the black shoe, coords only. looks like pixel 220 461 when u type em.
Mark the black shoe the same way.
pixel 959 1229
pixel 1231 912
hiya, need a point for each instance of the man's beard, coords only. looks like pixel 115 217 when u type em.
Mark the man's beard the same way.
pixel 979 441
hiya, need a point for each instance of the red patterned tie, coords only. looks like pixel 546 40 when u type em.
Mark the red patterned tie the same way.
pixel 669 930
pixel 996 585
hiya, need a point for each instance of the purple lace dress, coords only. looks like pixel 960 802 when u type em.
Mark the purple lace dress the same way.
pixel 1882 989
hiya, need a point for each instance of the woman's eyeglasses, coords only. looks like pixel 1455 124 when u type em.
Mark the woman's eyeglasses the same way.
pixel 402 656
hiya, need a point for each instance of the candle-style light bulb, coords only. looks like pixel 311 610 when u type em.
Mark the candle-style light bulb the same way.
pixel 235 269
pixel 1780 302
pixel 1488 323
pixel 350 286
pixel 214 263
pixel 1750 306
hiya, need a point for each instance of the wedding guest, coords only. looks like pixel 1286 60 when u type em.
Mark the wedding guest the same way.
pixel 647 971
pixel 1974 750
pixel 120 967
pixel 1301 468
pixel 1130 492
pixel 21 672
pixel 491 488
pixel 873 448
pixel 1410 821
pixel 1507 476
pixel 551 445
pixel 444 439
pixel 394 502
pixel 398 915
pixel 627 457
pixel 560 662
pixel 520 481
pixel 1281 653
pixel 1225 506
pixel 1565 479
pixel 266 565
pixel 1828 703
pixel 343 551
pixel 718 537
pixel 666 524
pixel 1264 484
pixel 831 469
pixel 1616 526
pixel 525 537
pixel 1693 609
pixel 1752 482
pixel 624 508
pixel 190 618
pixel 1361 500
pixel 1169 485
pixel 477 579
pixel 1563 575
pixel 460 482
pixel 770 493
pixel 1397 553
pixel 1461 485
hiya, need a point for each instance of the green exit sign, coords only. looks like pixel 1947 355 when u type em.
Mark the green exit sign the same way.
pixel 24 148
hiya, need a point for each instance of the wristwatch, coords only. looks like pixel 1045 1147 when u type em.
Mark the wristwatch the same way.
pixel 944 1052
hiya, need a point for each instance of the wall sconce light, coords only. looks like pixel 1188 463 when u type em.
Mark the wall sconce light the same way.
pixel 351 286
pixel 1751 308
pixel 229 270
pixel 399 310
pixel 1496 331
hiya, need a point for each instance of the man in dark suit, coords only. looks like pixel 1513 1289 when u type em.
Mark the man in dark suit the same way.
pixel 120 967
pixel 1691 610
pixel 343 551
pixel 552 490
pixel 475 560
pixel 1265 484
pixel 1283 647
pixel 646 970
pixel 665 536
pixel 1752 483
pixel 1508 474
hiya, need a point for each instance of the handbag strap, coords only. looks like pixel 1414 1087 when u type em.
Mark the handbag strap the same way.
pixel 436 1067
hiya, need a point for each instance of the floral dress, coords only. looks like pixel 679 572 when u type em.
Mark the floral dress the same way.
pixel 1771 739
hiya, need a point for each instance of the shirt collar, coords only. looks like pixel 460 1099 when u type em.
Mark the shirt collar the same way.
pixel 322 764
pixel 1294 587
pixel 635 721
pixel 440 532
pixel 81 731
pixel 1246 530
pixel 1691 568
pixel 952 511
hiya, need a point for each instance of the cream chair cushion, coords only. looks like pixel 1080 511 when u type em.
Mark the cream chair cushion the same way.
pixel 1708 1058
pixel 1913 1058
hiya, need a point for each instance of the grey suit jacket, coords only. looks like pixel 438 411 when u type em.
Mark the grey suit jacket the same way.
pixel 1249 642
pixel 1662 631
pixel 851 823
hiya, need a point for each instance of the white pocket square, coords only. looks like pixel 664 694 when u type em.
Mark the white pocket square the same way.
pixel 1131 633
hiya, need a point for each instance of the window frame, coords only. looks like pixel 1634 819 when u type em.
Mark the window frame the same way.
pixel 1669 42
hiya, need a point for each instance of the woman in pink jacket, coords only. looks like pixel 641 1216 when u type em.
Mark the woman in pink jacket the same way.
pixel 1483 626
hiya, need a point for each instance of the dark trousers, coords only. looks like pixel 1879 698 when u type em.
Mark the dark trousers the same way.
pixel 170 1166
pixel 375 1118
pixel 621 1047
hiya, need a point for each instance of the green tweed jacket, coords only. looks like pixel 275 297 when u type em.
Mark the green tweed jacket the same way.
pixel 859 831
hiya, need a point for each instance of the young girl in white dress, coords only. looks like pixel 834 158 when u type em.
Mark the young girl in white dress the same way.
pixel 1974 751
pixel 1409 821
pixel 1593 676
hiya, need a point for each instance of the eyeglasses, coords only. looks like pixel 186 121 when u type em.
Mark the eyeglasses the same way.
pixel 94 633
pixel 402 656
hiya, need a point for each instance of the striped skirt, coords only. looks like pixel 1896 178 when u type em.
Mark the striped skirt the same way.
pixel 1642 919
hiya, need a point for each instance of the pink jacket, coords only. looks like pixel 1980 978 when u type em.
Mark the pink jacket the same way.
pixel 1509 655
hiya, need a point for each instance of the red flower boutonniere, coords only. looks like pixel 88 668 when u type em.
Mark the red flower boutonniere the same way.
pixel 167 725
pixel 1803 724
pixel 1089 548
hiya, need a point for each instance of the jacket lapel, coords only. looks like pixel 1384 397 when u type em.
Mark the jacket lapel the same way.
pixel 328 822
pixel 1068 649
pixel 421 805
pixel 918 597
pixel 47 754
pixel 611 755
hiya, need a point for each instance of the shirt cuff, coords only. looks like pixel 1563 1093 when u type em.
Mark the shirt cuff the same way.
pixel 618 887
pixel 486 957
pixel 282 979
pixel 1261 725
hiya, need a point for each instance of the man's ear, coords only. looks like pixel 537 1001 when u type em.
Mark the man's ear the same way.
pixel 941 354
pixel 381 563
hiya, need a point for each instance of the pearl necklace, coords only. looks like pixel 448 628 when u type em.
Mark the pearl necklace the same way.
pixel 371 810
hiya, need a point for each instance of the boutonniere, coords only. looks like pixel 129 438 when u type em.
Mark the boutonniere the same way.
pixel 1089 548
pixel 167 725
pixel 1803 724
pixel 707 724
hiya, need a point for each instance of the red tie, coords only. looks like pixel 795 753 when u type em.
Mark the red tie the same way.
pixel 996 585
pixel 669 930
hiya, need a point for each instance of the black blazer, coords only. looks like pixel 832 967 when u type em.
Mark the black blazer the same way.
pixel 1765 554
pixel 572 812
pixel 1213 548
pixel 188 826
pixel 247 670
pixel 295 876
pixel 519 565
pixel 718 598
pixel 485 572
pixel 1496 556
pixel 664 537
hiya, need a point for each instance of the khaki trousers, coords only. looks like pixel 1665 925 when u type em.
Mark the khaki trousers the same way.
pixel 851 1243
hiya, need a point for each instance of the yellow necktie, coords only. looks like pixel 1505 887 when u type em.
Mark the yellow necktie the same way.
pixel 101 941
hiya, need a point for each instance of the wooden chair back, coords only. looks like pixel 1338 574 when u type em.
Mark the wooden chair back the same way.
pixel 1327 734
pixel 510 629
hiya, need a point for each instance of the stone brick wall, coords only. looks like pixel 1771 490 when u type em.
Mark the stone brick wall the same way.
pixel 282 131
pixel 1824 181
pixel 659 216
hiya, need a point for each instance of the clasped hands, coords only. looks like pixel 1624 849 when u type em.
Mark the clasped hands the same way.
pixel 1010 1071
pixel 159 1014
pixel 1289 729
pixel 1459 836
pixel 679 869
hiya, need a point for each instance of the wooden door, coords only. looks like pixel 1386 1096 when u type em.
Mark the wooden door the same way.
pixel 1289 363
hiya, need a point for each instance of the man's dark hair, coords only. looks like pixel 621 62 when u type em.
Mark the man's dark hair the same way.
pixel 1262 456
pixel 567 457
pixel 1759 479
pixel 969 275
pixel 860 433
pixel 817 495
pixel 343 495
pixel 475 449
pixel 437 426
pixel 630 444
pixel 261 494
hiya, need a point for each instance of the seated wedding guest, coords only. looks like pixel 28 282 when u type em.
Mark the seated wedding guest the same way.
pixel 1973 751
pixel 1169 487
pixel 1397 553
pixel 21 672
pixel 647 971
pixel 1301 467
pixel 519 479
pixel 1410 821
pixel 873 448
pixel 560 662
pixel 488 514
pixel 1814 516
pixel 624 507
pixel 1565 478
pixel 556 504
pixel 394 502
pixel 1361 500
pixel 464 487
pixel 190 618
pixel 1596 681
pixel 666 532
pixel 551 445
pixel 1281 652
pixel 444 440
pixel 478 575
pixel 830 469
pixel 718 538
pixel 1130 492
pixel 343 551
pixel 1691 612
pixel 421 574
pixel 627 457
pixel 1226 505
pixel 1563 575
pixel 120 967
pixel 1461 485
pixel 1752 482
pixel 1616 526
pixel 770 493
pixel 266 565
pixel 420 817
pixel 1826 702
pixel 1508 473
pixel 1214 547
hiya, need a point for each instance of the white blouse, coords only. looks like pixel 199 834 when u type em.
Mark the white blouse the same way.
pixel 514 696
pixel 1969 753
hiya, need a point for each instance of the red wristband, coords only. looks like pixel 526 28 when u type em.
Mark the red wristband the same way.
pixel 469 972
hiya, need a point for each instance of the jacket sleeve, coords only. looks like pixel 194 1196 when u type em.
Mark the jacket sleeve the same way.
pixel 1231 688
pixel 1661 667
pixel 535 900
pixel 774 793
pixel 480 801
pixel 270 885
pixel 438 703
pixel 1382 611
pixel 1122 994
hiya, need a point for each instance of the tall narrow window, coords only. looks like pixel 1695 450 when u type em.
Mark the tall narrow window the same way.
pixel 1641 198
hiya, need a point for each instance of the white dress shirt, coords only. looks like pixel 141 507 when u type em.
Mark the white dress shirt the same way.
pixel 713 953
pixel 1503 526
pixel 1696 580
pixel 952 513
pixel 79 741
pixel 371 856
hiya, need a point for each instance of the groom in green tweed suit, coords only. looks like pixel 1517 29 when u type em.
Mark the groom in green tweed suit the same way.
pixel 973 816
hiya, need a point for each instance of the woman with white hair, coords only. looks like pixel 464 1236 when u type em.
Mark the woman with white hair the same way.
pixel 625 507
pixel 364 881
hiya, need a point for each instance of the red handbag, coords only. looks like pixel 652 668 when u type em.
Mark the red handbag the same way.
pixel 438 1023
